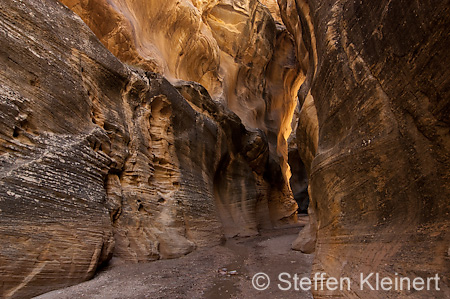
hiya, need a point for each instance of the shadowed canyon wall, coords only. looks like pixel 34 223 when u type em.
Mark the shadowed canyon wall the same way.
pixel 378 96
pixel 99 158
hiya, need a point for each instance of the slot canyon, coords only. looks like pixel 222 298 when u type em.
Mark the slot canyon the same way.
pixel 174 149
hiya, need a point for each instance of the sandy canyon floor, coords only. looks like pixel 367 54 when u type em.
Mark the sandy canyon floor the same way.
pixel 219 272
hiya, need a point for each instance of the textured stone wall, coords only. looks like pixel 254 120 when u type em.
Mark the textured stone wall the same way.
pixel 99 158
pixel 102 158
pixel 235 49
pixel 379 174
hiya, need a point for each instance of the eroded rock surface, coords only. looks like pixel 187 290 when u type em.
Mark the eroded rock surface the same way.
pixel 379 175
pixel 101 159
pixel 235 49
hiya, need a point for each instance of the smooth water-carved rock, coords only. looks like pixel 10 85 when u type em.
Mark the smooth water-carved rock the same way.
pixel 234 49
pixel 101 159
pixel 297 19
pixel 379 178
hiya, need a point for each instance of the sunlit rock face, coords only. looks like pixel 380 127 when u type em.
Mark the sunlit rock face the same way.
pixel 306 133
pixel 234 49
pixel 379 176
pixel 100 158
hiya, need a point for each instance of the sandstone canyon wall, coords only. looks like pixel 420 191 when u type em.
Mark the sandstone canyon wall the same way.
pixel 100 158
pixel 143 130
pixel 377 92
pixel 235 49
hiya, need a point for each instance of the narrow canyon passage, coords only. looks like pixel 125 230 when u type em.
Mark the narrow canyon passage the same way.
pixel 164 148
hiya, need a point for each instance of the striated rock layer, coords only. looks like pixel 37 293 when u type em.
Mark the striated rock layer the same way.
pixel 379 176
pixel 100 159
pixel 233 48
